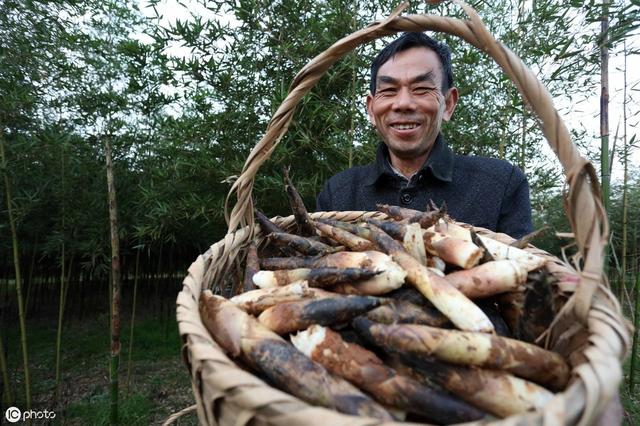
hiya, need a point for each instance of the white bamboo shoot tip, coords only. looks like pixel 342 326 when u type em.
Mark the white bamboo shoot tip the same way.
pixel 265 279
pixel 307 340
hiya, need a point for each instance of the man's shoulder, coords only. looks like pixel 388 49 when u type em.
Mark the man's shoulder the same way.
pixel 477 165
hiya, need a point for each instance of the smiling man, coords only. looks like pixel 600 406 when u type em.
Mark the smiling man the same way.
pixel 412 93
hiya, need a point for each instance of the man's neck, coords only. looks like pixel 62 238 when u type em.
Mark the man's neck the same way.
pixel 408 166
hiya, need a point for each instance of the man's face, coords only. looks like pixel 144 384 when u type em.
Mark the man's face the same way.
pixel 408 107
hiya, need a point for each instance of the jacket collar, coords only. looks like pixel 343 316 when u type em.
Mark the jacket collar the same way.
pixel 439 163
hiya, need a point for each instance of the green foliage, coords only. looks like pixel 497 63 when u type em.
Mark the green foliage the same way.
pixel 633 200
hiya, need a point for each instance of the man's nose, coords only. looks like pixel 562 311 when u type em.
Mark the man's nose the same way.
pixel 404 99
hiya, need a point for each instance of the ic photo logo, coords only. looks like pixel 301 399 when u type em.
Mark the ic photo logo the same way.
pixel 13 414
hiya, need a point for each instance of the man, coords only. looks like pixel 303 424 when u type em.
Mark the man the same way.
pixel 412 93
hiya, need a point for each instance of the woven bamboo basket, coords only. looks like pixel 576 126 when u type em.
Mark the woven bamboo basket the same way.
pixel 589 330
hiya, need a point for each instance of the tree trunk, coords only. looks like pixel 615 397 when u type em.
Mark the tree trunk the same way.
pixel 625 159
pixel 604 113
pixel 158 308
pixel 16 261
pixel 30 283
pixel 354 68
pixel 523 133
pixel 115 286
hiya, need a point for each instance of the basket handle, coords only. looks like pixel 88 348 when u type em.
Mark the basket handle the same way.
pixel 583 203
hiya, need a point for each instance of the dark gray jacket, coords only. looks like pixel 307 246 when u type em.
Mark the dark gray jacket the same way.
pixel 481 191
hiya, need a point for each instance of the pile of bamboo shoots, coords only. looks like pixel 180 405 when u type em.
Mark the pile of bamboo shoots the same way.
pixel 414 317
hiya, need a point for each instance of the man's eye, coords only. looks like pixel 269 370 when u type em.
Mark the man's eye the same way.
pixel 422 90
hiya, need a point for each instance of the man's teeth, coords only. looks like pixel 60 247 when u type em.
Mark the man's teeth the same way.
pixel 405 126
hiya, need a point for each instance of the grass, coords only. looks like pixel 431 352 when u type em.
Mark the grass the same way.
pixel 134 410
pixel 630 400
pixel 159 385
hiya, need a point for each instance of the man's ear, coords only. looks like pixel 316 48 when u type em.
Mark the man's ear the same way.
pixel 450 102
pixel 369 112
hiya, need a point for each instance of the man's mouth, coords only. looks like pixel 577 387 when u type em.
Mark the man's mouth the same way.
pixel 404 126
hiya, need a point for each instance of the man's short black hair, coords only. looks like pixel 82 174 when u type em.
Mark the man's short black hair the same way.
pixel 407 41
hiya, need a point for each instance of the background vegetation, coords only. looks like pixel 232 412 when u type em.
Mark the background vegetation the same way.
pixel 178 105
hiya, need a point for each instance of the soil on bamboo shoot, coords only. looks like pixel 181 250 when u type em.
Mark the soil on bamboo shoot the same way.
pixel 489 279
pixel 303 245
pixel 305 228
pixel 491 309
pixel 343 237
pixel 256 301
pixel 368 372
pixel 267 226
pixel 294 262
pixel 317 277
pixel 456 306
pixel 466 348
pixel 537 309
pixel 252 267
pixel 409 234
pixel 425 219
pixel 404 312
pixel 293 316
pixel 242 336
pixel 511 305
pixel 496 392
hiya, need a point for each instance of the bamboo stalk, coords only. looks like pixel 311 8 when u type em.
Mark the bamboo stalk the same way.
pixel 354 97
pixel 68 279
pixel 523 130
pixel 115 288
pixel 8 397
pixel 16 262
pixel 61 302
pixel 625 178
pixel 133 318
pixel 56 397
pixel 604 117
pixel 30 285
